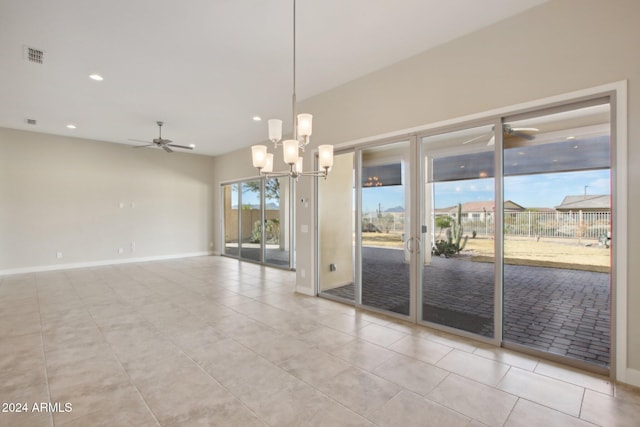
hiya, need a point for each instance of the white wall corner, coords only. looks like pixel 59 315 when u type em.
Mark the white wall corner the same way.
pixel 305 288
pixel 632 377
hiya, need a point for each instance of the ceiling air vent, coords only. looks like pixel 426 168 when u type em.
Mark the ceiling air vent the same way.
pixel 32 54
pixel 31 121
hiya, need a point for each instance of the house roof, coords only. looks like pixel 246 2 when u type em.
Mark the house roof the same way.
pixel 590 201
pixel 483 206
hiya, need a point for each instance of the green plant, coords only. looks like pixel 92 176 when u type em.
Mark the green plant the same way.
pixel 455 241
pixel 456 232
pixel 443 222
pixel 443 247
pixel 256 233
pixel 271 231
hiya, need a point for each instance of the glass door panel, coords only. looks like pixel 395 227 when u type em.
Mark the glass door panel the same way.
pixel 336 214
pixel 231 214
pixel 458 279
pixel 557 219
pixel 276 227
pixel 385 228
pixel 250 220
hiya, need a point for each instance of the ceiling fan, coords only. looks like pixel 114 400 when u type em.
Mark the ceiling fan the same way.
pixel 160 142
pixel 507 132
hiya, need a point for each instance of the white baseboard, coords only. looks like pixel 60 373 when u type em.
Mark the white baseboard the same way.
pixel 53 267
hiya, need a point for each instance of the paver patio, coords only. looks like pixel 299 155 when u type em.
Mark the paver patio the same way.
pixel 561 311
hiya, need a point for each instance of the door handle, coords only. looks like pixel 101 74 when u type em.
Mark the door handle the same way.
pixel 418 244
pixel 408 245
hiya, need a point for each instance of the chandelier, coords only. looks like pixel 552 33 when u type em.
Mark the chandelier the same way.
pixel 302 126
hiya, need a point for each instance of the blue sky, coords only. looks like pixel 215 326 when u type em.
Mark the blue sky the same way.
pixel 530 191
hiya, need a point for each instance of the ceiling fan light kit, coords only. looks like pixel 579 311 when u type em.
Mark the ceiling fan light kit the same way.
pixel 302 129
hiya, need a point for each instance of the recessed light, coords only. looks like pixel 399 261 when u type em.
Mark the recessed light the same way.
pixel 515 164
pixel 461 166
pixel 576 146
pixel 96 77
pixel 71 126
pixel 257 118
pixel 521 153
pixel 571 137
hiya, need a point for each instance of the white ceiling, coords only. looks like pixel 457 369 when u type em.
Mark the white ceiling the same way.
pixel 205 67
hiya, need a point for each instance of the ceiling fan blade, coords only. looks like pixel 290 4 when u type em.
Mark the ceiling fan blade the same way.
pixel 167 149
pixel 144 146
pixel 474 139
pixel 139 140
pixel 526 129
pixel 180 146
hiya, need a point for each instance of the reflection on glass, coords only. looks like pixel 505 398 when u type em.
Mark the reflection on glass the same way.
pixel 458 274
pixel 385 223
pixel 557 233
pixel 250 219
pixel 336 220
pixel 230 194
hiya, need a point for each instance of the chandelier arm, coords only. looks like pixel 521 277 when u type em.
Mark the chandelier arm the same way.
pixel 275 174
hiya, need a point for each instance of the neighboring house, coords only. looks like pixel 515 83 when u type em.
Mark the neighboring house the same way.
pixel 585 203
pixel 479 211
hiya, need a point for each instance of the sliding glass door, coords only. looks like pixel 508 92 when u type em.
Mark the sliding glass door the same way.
pixel 250 220
pixel 557 232
pixel 258 220
pixel 230 195
pixel 459 216
pixel 385 227
pixel 500 230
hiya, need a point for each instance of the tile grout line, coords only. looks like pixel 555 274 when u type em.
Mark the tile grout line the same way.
pixel 44 354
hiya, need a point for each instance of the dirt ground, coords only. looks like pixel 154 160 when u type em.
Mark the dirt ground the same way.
pixel 561 253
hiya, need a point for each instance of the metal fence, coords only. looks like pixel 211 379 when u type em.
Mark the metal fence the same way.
pixel 578 224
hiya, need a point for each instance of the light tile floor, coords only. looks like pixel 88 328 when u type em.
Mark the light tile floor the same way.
pixel 213 341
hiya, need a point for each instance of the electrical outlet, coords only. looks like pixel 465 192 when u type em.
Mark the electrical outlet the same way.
pixel 133 246
pixel 59 255
pixel 120 251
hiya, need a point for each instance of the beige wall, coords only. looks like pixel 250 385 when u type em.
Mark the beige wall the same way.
pixel 556 48
pixel 61 194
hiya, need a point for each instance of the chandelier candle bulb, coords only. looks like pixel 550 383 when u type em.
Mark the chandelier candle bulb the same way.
pixel 290 151
pixel 325 154
pixel 305 122
pixel 298 167
pixel 275 130
pixel 259 155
